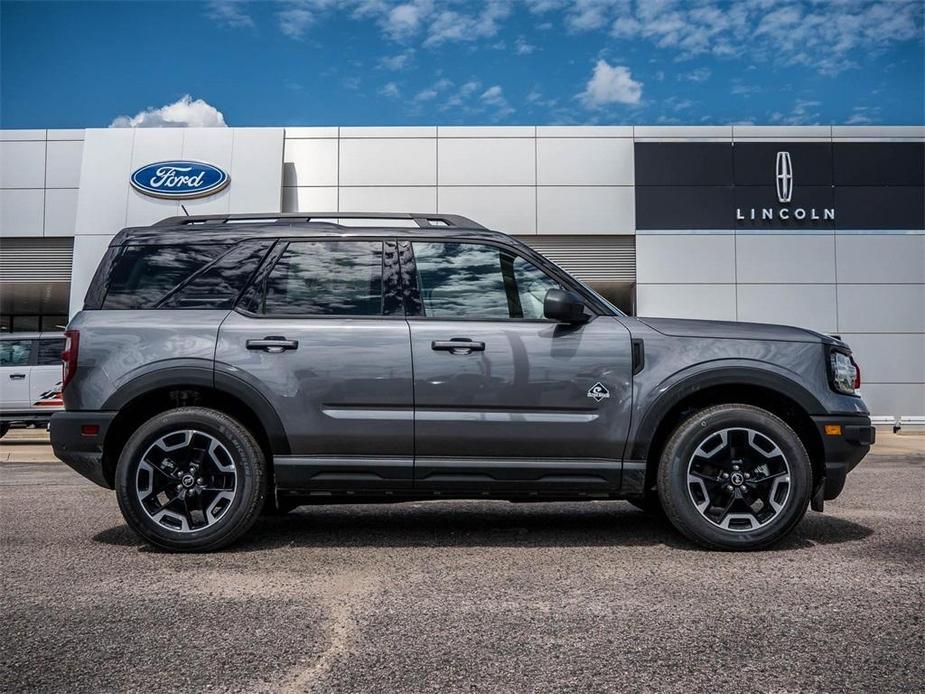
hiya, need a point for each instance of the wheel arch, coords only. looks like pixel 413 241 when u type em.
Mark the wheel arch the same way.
pixel 152 393
pixel 777 394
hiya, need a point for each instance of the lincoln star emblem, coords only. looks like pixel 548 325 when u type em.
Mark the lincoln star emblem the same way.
pixel 598 392
pixel 784 177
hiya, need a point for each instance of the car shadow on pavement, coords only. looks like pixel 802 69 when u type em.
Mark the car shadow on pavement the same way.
pixel 486 525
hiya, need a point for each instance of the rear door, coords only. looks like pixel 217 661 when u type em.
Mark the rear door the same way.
pixel 45 379
pixel 322 335
pixel 16 357
pixel 505 399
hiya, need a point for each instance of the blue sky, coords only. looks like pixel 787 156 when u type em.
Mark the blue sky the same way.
pixel 384 62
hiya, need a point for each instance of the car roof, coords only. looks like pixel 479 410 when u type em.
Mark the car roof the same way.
pixel 234 228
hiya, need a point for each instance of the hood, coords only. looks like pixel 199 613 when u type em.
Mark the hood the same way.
pixel 732 330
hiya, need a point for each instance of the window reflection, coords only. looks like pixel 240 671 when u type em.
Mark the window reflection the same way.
pixel 335 278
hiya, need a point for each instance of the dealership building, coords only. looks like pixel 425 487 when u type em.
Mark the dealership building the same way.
pixel 814 226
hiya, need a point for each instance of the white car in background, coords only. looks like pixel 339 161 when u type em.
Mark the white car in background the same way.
pixel 30 378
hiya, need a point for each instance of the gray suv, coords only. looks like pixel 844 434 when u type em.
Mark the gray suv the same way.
pixel 225 366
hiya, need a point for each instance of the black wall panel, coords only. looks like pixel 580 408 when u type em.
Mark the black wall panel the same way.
pixel 870 185
pixel 684 207
pixel 879 163
pixel 683 163
pixel 869 207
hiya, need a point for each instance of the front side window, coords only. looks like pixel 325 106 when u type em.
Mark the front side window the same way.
pixel 471 280
pixel 143 275
pixel 15 352
pixel 327 278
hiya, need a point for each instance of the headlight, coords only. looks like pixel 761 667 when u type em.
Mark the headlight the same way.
pixel 844 373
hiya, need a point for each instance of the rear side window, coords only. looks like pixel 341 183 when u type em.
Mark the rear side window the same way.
pixel 50 352
pixel 327 278
pixel 143 275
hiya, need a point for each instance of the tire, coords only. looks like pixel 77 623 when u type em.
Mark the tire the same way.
pixel 715 448
pixel 161 502
pixel 4 428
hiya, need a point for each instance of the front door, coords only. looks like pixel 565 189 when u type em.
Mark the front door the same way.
pixel 15 365
pixel 323 337
pixel 505 399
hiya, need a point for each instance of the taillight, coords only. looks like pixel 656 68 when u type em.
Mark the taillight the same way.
pixel 857 374
pixel 69 356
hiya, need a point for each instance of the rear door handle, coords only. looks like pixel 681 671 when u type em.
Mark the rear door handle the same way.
pixel 273 344
pixel 17 377
pixel 458 345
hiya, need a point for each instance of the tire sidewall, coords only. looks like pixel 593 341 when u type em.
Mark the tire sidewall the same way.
pixel 249 490
pixel 673 469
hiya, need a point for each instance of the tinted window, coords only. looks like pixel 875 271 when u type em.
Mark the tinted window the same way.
pixel 327 278
pixel 219 285
pixel 142 275
pixel 50 352
pixel 15 352
pixel 469 280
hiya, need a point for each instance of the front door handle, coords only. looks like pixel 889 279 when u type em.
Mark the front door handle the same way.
pixel 17 377
pixel 458 345
pixel 273 344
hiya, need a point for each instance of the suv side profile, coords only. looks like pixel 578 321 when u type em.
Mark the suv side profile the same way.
pixel 30 374
pixel 228 365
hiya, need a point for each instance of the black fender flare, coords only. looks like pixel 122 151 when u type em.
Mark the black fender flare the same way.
pixel 204 377
pixel 685 386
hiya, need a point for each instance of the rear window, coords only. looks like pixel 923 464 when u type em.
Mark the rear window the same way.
pixel 142 275
pixel 219 284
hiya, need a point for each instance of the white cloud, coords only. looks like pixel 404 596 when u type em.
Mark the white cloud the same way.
pixel 611 84
pixel 183 113
pixel 390 90
pixel 701 74
pixel 521 47
pixel 803 113
pixel 397 62
pixel 494 98
pixel 298 15
pixel 229 13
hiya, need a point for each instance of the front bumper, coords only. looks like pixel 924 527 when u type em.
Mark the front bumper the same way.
pixel 843 451
pixel 80 450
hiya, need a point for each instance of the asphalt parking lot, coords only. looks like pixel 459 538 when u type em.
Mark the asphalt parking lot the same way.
pixel 457 596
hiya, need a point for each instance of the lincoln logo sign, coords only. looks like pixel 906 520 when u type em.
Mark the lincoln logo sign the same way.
pixel 784 180
pixel 179 179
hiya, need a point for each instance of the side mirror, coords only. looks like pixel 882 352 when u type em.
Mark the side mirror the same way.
pixel 564 306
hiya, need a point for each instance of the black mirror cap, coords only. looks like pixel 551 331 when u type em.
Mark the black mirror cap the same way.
pixel 564 306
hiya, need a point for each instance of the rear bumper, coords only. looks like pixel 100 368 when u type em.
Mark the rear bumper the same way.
pixel 81 451
pixel 844 450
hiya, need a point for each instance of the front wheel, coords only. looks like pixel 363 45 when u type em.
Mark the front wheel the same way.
pixel 191 479
pixel 734 477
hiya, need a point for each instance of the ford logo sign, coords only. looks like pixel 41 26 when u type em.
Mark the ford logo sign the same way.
pixel 179 179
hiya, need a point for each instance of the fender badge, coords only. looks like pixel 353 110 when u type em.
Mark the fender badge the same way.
pixel 598 392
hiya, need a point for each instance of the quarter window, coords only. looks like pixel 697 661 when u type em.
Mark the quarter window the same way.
pixel 470 280
pixel 143 275
pixel 327 278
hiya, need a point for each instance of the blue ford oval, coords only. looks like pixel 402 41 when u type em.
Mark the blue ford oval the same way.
pixel 179 179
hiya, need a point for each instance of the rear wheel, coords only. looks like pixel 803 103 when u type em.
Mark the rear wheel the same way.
pixel 191 479
pixel 734 477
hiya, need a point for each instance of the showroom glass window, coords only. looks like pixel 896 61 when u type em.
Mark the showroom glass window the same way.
pixel 472 280
pixel 327 278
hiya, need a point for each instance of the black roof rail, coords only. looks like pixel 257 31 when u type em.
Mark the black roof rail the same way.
pixel 423 220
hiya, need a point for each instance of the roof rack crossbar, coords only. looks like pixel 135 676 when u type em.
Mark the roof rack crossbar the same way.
pixel 423 220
